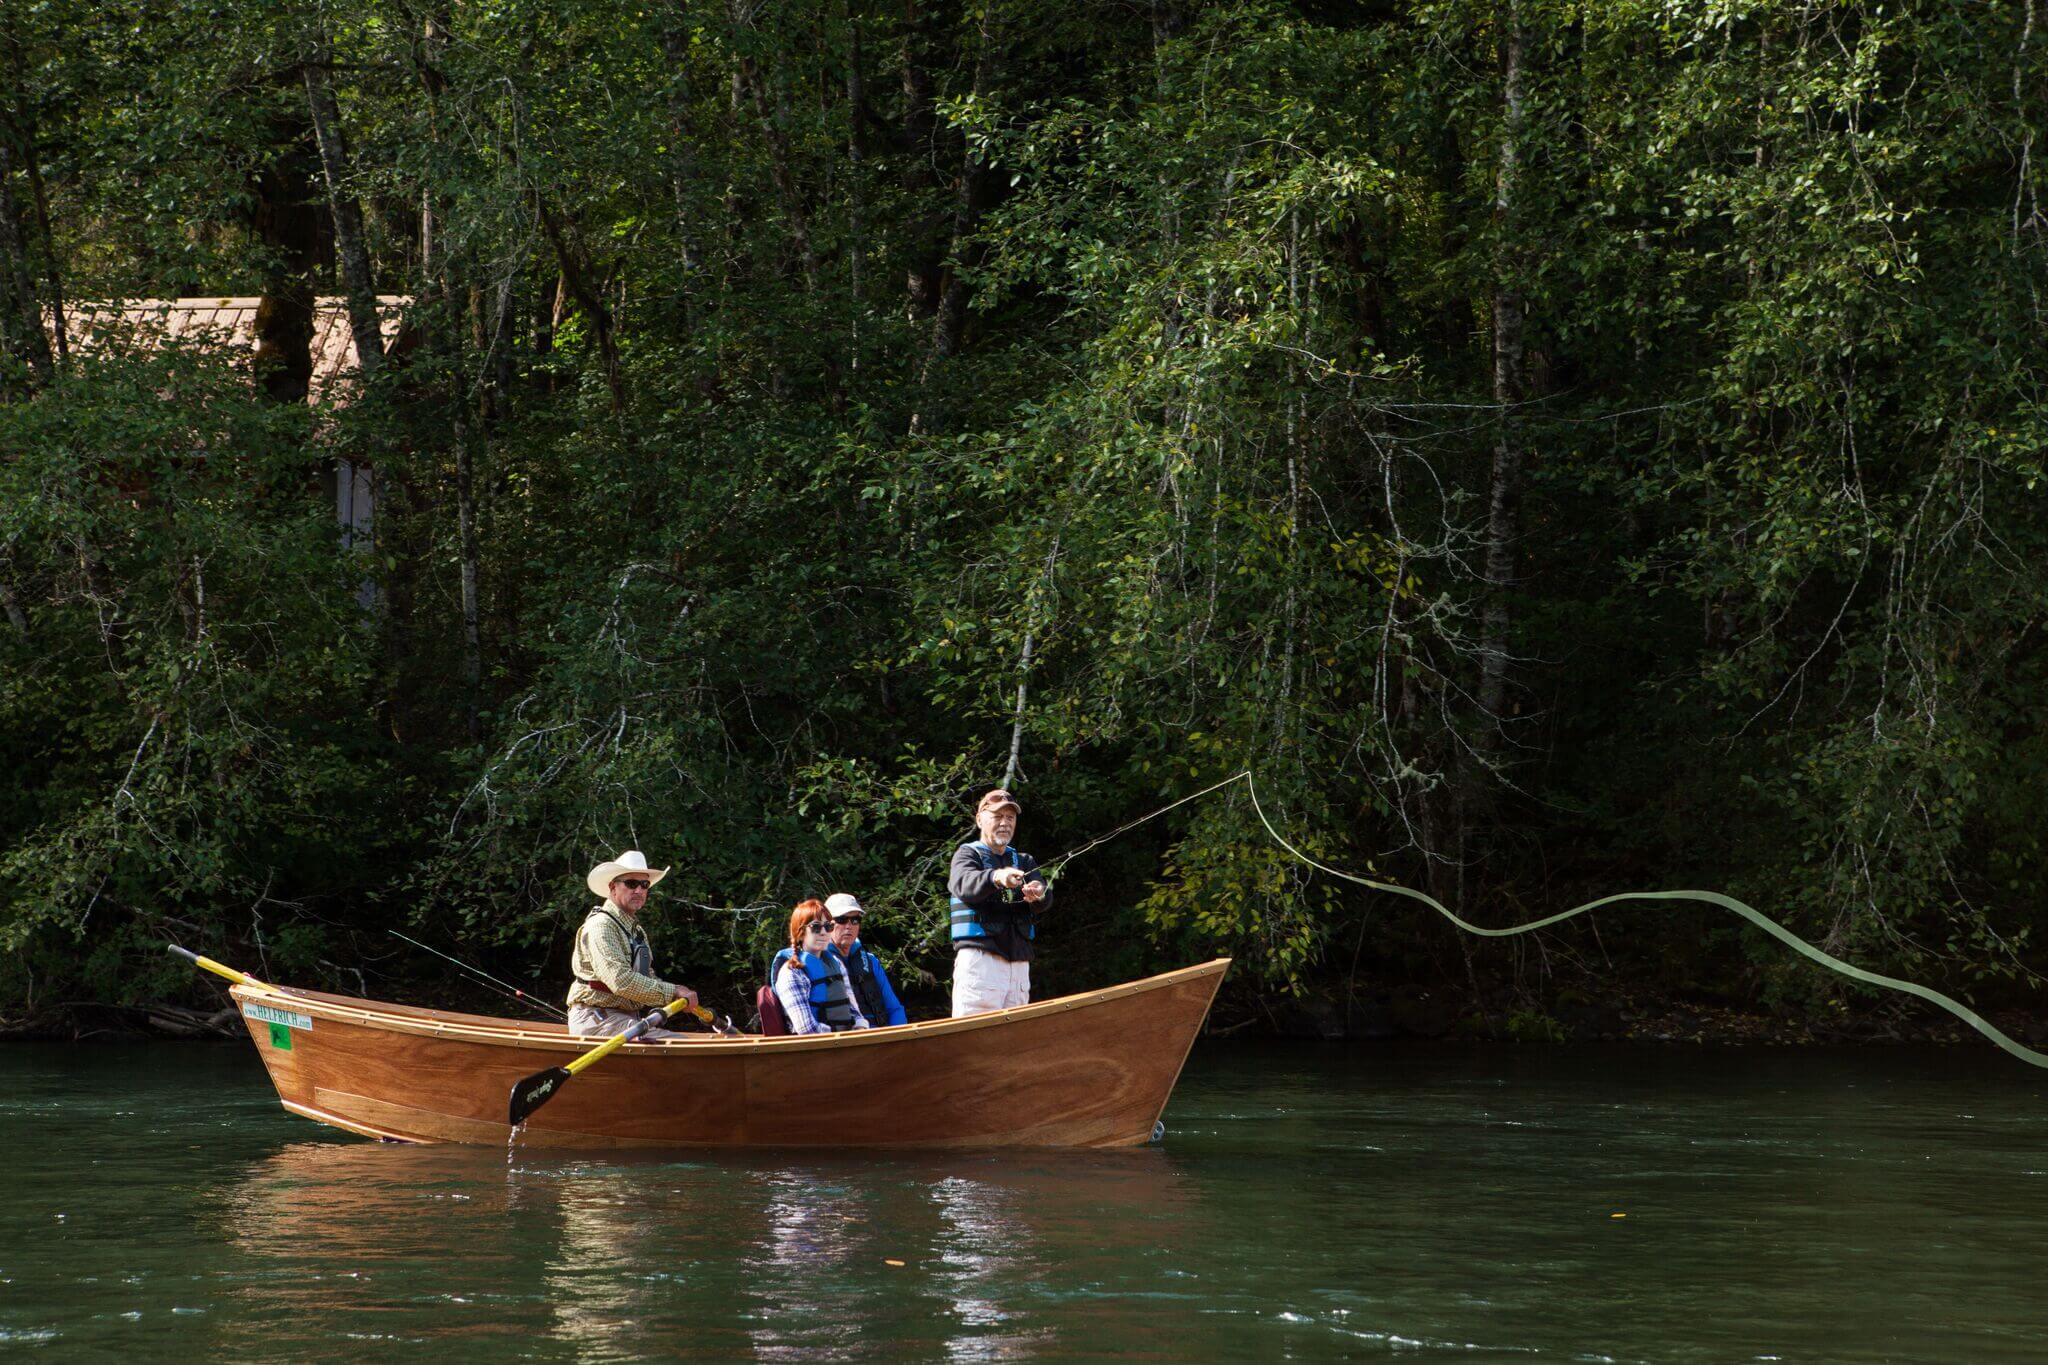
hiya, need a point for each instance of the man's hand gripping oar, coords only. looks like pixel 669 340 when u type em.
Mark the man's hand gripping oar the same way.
pixel 537 1089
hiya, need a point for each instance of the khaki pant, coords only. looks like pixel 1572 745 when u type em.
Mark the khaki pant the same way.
pixel 588 1021
pixel 983 982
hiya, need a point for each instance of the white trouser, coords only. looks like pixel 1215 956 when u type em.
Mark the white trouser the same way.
pixel 588 1021
pixel 983 982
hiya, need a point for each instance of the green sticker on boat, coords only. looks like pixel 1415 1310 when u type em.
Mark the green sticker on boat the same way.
pixel 281 1036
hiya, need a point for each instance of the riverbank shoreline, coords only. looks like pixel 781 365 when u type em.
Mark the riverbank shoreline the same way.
pixel 1428 1016
pixel 1417 1016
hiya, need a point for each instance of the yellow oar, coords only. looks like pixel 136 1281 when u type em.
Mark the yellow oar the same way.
pixel 219 969
pixel 537 1089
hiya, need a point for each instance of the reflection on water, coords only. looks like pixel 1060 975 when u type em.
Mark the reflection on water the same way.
pixel 608 1247
pixel 1830 1206
pixel 978 1257
pixel 597 1261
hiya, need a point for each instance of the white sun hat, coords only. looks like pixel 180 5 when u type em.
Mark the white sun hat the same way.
pixel 630 863
pixel 839 905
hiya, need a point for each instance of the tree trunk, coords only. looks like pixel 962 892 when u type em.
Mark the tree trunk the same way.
pixel 351 247
pixel 465 505
pixel 10 602
pixel 576 278
pixel 1166 25
pixel 856 158
pixel 781 170
pixel 1035 618
pixel 286 220
pixel 921 281
pixel 21 317
pixel 22 129
pixel 16 617
pixel 1017 720
pixel 967 206
pixel 60 330
pixel 2029 190
pixel 427 65
pixel 681 164
pixel 951 317
pixel 455 298
pixel 498 346
pixel 1510 390
pixel 1283 719
pixel 546 318
pixel 774 122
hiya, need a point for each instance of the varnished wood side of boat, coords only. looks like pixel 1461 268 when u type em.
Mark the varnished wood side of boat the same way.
pixel 1090 1070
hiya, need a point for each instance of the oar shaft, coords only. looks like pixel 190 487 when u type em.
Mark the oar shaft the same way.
pixel 530 1094
pixel 218 968
pixel 605 1049
pixel 619 1040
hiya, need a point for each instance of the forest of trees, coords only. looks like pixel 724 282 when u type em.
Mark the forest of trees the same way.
pixel 1559 448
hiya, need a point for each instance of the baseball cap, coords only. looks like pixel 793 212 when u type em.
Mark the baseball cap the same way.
pixel 996 800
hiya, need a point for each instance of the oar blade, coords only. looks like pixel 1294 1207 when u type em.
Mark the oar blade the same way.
pixel 535 1091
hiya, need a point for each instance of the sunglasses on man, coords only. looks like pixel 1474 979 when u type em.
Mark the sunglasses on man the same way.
pixel 635 883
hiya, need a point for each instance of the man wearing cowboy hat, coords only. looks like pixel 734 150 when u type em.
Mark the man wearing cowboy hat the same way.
pixel 997 896
pixel 613 963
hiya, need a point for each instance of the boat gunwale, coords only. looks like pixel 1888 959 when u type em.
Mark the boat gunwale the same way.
pixel 513 1033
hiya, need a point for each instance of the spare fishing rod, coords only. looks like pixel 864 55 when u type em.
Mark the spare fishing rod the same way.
pixel 504 988
pixel 722 1024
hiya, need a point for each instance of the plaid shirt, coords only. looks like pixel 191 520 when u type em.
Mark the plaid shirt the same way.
pixel 604 961
pixel 793 989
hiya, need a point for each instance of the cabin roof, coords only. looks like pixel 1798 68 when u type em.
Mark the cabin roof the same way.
pixel 230 323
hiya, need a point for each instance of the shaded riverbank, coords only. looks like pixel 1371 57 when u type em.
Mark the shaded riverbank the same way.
pixel 1636 1017
pixel 1405 1014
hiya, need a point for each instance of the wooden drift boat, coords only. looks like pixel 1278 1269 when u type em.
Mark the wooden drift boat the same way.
pixel 1089 1070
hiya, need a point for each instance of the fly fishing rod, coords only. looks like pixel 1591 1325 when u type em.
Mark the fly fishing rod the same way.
pixel 504 988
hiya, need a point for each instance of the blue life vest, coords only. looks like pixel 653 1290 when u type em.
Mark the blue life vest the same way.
pixel 862 970
pixel 830 998
pixel 967 921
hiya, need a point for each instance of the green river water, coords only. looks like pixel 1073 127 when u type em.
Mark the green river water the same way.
pixel 1307 1203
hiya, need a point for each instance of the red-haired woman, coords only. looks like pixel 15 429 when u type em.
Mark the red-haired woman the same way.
pixel 810 979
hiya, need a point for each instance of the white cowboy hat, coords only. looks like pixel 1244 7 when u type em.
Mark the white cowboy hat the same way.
pixel 630 863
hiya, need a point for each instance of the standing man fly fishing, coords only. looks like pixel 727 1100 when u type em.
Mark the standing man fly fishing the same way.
pixel 612 960
pixel 998 894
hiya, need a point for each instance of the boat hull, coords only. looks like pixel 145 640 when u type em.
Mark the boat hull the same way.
pixel 1091 1070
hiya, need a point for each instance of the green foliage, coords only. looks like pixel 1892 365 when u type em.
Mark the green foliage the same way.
pixel 182 709
pixel 773 429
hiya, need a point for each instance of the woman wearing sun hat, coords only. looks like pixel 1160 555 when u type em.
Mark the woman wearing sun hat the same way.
pixel 613 963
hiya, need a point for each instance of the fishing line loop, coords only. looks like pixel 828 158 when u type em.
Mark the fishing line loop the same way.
pixel 1715 898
